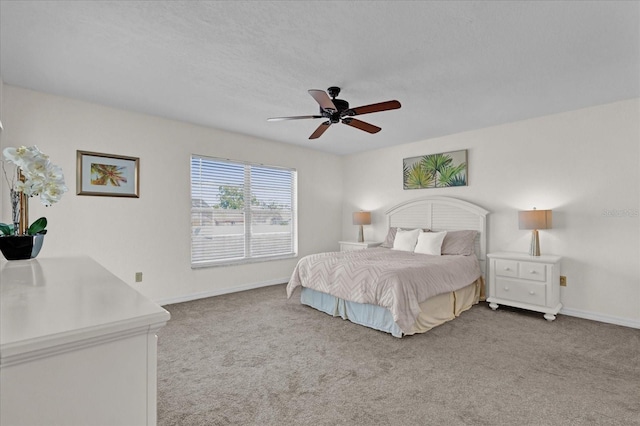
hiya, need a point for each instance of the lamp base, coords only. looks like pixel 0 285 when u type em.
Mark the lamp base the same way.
pixel 361 235
pixel 534 250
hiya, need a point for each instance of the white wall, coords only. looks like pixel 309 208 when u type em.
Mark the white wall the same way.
pixel 2 186
pixel 578 164
pixel 152 234
pixel 1 84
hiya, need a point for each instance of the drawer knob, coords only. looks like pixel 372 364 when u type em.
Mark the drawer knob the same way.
pixel 506 289
pixel 506 268
pixel 532 292
pixel 532 272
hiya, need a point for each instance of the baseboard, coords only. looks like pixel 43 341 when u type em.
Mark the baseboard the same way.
pixel 218 292
pixel 626 322
pixel 600 317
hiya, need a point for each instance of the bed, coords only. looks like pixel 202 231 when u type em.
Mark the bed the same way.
pixel 403 290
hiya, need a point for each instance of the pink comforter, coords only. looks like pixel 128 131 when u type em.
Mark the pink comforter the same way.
pixel 396 280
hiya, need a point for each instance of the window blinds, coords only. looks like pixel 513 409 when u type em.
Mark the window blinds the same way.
pixel 241 212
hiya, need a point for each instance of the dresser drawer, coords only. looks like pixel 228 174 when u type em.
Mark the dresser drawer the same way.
pixel 506 268
pixel 532 271
pixel 519 291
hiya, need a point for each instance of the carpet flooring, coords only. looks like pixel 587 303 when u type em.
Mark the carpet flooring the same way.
pixel 257 358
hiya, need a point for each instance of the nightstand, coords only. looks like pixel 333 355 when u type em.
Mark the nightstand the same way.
pixel 354 245
pixel 524 281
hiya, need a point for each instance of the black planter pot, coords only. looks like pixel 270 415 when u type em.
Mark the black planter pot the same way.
pixel 20 247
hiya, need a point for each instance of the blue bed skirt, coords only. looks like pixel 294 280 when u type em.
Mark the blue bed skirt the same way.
pixel 371 316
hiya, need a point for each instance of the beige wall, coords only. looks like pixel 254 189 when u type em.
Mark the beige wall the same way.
pixel 152 234
pixel 579 164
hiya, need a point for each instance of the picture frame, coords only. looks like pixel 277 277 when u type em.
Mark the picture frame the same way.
pixel 107 175
pixel 442 170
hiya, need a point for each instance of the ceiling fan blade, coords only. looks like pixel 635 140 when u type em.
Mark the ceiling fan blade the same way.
pixel 320 130
pixel 358 124
pixel 367 109
pixel 323 99
pixel 299 117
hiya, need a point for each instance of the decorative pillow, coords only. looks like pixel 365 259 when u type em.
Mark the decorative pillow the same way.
pixel 391 235
pixel 459 242
pixel 405 240
pixel 430 242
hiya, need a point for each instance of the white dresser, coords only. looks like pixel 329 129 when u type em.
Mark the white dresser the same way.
pixel 525 281
pixel 354 245
pixel 78 346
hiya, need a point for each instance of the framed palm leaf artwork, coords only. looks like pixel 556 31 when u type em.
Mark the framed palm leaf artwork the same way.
pixel 441 170
pixel 107 175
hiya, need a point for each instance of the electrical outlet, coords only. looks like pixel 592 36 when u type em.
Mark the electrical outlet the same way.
pixel 138 277
pixel 563 281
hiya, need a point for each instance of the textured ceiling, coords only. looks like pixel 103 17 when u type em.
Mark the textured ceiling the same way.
pixel 454 66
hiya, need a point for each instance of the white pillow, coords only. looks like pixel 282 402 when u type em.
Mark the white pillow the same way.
pixel 430 243
pixel 406 240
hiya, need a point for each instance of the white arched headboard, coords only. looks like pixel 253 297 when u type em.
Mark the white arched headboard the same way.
pixel 439 213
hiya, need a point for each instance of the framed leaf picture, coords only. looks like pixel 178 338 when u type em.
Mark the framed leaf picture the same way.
pixel 107 175
pixel 441 170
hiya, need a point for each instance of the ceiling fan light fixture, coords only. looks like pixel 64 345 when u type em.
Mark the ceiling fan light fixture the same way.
pixel 336 110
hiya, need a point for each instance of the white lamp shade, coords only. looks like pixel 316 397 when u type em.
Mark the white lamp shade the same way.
pixel 362 218
pixel 534 219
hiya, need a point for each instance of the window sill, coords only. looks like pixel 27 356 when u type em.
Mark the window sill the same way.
pixel 244 261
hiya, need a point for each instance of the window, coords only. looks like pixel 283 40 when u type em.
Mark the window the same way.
pixel 225 227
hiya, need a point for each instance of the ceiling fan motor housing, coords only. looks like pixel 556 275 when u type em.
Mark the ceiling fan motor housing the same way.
pixel 335 116
pixel 341 106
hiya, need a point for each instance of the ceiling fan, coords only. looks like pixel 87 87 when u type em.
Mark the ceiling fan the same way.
pixel 337 110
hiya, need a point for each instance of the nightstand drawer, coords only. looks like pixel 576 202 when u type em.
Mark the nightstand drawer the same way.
pixel 506 268
pixel 517 291
pixel 533 271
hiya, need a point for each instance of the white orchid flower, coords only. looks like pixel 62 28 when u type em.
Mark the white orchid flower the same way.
pixel 54 173
pixel 40 176
pixel 52 193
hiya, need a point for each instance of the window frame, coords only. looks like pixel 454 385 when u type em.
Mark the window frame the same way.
pixel 248 211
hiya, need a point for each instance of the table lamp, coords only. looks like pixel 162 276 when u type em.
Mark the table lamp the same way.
pixel 361 218
pixel 534 219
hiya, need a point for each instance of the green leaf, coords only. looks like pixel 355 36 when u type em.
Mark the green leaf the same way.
pixel 435 164
pixel 6 229
pixel 449 173
pixel 418 178
pixel 38 226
